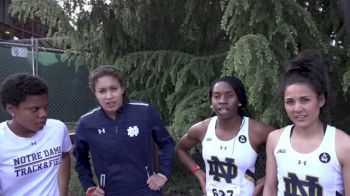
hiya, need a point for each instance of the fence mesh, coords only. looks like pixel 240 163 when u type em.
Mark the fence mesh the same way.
pixel 69 98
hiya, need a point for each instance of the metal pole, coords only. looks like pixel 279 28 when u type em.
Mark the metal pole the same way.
pixel 33 65
pixel 37 56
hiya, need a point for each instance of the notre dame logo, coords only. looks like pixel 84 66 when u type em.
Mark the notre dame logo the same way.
pixel 295 186
pixel 226 170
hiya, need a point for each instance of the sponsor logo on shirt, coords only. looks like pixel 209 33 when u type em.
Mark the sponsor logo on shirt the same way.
pixel 133 131
pixel 242 139
pixel 324 157
pixel 281 151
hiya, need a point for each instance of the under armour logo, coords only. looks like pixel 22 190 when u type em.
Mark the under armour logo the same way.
pixel 133 131
pixel 33 143
pixel 300 162
pixel 101 131
pixel 209 139
pixel 223 147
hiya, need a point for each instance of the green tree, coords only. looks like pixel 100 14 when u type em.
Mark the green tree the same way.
pixel 172 49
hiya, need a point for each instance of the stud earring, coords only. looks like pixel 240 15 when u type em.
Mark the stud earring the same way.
pixel 239 105
pixel 12 114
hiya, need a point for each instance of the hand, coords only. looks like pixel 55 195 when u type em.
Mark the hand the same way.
pixel 200 174
pixel 258 191
pixel 156 182
pixel 95 191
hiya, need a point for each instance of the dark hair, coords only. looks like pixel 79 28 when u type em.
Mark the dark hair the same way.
pixel 237 86
pixel 106 70
pixel 309 67
pixel 15 88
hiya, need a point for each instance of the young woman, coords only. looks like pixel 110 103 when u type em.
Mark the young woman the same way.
pixel 230 142
pixel 34 150
pixel 308 157
pixel 118 136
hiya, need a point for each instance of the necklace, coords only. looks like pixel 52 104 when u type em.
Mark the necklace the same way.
pixel 234 140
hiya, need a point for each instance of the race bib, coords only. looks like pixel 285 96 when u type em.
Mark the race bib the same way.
pixel 216 189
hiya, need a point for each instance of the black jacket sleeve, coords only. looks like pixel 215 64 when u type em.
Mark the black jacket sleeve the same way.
pixel 164 142
pixel 81 154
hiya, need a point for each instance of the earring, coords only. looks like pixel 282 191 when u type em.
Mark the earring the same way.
pixel 12 114
pixel 239 105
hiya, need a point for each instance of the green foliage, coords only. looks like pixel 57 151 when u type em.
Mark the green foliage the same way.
pixel 253 61
pixel 177 83
pixel 171 50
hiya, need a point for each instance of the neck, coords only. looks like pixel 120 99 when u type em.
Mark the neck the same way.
pixel 19 131
pixel 310 131
pixel 232 124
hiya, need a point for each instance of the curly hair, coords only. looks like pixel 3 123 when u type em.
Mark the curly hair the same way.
pixel 15 88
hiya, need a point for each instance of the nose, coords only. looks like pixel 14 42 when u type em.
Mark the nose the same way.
pixel 298 107
pixel 43 112
pixel 223 99
pixel 109 94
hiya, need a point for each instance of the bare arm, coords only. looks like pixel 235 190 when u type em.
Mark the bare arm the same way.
pixel 194 136
pixel 271 181
pixel 343 151
pixel 64 174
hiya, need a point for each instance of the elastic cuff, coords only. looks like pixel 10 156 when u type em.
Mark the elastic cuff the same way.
pixel 162 175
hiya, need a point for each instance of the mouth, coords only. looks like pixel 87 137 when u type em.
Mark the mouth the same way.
pixel 223 110
pixel 300 117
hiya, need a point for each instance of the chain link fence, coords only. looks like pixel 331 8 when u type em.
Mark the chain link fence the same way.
pixel 70 97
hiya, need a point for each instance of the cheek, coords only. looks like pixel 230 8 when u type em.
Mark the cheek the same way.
pixel 99 97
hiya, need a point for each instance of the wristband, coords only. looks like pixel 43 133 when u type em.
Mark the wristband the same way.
pixel 195 168
pixel 90 191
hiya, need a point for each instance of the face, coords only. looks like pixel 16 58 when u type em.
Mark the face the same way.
pixel 302 104
pixel 109 94
pixel 224 100
pixel 29 116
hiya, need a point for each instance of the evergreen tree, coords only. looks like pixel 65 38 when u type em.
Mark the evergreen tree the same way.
pixel 170 50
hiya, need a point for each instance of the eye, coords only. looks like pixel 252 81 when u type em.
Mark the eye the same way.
pixel 101 91
pixel 230 95
pixel 304 100
pixel 289 102
pixel 35 109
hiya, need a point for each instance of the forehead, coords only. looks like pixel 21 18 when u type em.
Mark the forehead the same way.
pixel 299 90
pixel 106 81
pixel 34 100
pixel 222 86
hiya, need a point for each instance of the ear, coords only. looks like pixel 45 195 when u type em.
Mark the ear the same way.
pixel 10 109
pixel 321 100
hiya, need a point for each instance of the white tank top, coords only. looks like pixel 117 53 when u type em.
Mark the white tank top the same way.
pixel 229 165
pixel 316 174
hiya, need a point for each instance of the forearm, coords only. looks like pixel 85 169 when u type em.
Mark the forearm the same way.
pixel 64 174
pixel 166 158
pixel 186 159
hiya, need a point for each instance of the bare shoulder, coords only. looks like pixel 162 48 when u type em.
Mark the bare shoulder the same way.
pixel 258 132
pixel 342 146
pixel 198 130
pixel 275 134
pixel 273 138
